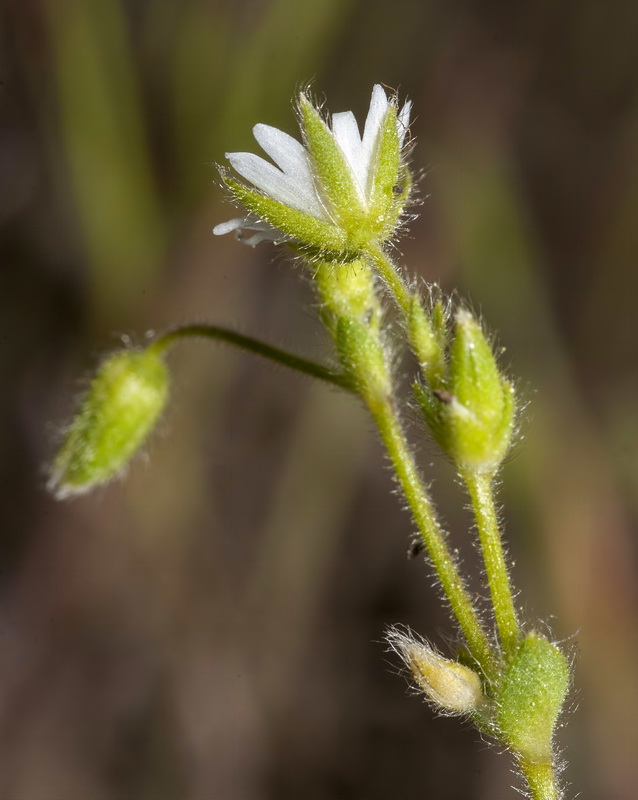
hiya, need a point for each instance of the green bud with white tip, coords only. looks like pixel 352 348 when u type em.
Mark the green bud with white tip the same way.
pixel 121 408
pixel 472 413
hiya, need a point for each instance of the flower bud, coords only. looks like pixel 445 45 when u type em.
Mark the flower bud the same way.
pixel 532 697
pixel 451 687
pixel 473 417
pixel 122 406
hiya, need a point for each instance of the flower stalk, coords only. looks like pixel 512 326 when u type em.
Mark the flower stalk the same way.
pixel 251 345
pixel 391 277
pixel 479 486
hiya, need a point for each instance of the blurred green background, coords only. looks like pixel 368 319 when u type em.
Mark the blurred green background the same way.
pixel 212 627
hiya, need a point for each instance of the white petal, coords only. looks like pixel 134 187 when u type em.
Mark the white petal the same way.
pixel 271 235
pixel 263 231
pixel 403 121
pixel 284 188
pixel 249 222
pixel 376 115
pixel 289 154
pixel 346 133
pixel 291 157
pixel 230 225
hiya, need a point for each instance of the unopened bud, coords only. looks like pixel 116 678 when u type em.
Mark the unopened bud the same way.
pixel 473 418
pixel 451 687
pixel 122 406
pixel 532 697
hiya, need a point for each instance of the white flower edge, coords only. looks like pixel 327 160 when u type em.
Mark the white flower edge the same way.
pixel 290 180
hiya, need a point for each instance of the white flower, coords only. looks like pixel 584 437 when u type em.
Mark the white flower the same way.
pixel 294 179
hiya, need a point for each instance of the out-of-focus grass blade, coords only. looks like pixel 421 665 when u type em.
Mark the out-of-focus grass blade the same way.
pixel 225 78
pixel 103 132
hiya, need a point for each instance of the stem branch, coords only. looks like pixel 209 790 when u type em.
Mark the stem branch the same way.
pixel 255 346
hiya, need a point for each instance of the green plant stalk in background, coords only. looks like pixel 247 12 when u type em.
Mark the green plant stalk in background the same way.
pixel 337 199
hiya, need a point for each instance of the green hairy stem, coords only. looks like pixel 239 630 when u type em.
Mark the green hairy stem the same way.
pixel 251 345
pixel 480 490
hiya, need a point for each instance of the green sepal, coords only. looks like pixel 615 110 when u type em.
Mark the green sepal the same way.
pixel 308 232
pixel 122 406
pixel 332 170
pixel 347 290
pixel 426 343
pixel 434 409
pixel 531 698
pixel 439 319
pixel 386 192
pixel 363 359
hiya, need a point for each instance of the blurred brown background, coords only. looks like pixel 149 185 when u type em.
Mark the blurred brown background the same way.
pixel 211 628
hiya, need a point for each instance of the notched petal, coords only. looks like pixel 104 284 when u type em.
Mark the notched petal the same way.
pixel 277 184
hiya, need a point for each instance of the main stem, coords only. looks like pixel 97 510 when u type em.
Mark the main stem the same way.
pixel 393 437
pixel 541 779
pixel 255 346
pixel 480 489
